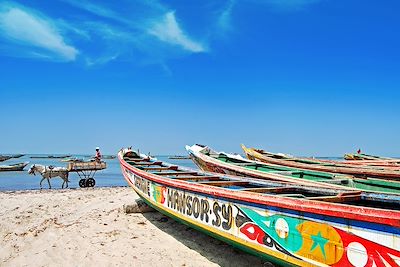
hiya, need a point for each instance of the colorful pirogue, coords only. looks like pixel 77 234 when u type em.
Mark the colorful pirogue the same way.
pixel 362 156
pixel 372 161
pixel 209 160
pixel 288 224
pixel 380 172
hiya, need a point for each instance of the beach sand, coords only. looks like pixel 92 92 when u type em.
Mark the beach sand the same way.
pixel 87 227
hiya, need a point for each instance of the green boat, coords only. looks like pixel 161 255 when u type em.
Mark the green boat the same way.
pixel 210 160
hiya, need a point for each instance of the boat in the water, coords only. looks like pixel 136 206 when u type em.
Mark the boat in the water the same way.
pixel 359 171
pixel 178 157
pixel 287 224
pixel 4 158
pixel 209 160
pixel 109 157
pixel 13 167
pixel 51 157
pixel 72 159
pixel 16 156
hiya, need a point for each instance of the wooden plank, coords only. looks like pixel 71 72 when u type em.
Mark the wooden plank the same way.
pixel 197 178
pixel 245 164
pixel 147 163
pixel 159 168
pixel 342 197
pixel 293 195
pixel 136 159
pixel 174 173
pixel 259 189
pixel 224 183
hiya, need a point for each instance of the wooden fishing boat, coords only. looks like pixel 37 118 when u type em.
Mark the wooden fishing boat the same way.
pixel 178 157
pixel 362 156
pixel 4 158
pixel 16 156
pixel 288 224
pixel 209 160
pixel 50 157
pixel 13 167
pixel 72 159
pixel 359 171
pixel 381 163
pixel 108 157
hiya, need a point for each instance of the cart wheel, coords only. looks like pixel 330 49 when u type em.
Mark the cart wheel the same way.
pixel 82 183
pixel 90 182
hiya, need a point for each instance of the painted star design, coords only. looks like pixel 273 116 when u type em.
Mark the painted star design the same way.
pixel 319 240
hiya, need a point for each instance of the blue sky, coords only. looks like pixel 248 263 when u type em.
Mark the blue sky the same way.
pixel 307 77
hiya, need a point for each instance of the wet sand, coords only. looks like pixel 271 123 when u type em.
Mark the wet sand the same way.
pixel 86 227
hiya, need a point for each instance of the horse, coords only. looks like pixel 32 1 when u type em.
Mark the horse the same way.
pixel 49 172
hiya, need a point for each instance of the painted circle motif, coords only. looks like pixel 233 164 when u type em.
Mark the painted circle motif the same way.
pixel 357 254
pixel 320 242
pixel 282 228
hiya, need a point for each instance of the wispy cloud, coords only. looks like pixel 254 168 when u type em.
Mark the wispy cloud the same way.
pixel 168 30
pixel 26 27
pixel 225 18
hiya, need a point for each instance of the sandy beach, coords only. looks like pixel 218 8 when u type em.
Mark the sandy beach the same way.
pixel 86 227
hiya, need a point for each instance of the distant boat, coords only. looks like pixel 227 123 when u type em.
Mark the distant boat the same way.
pixel 108 157
pixel 104 157
pixel 13 167
pixel 4 158
pixel 50 157
pixel 178 157
pixel 16 156
pixel 72 160
pixel 286 223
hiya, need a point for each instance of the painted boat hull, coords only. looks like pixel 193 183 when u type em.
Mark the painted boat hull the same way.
pixel 284 231
pixel 360 172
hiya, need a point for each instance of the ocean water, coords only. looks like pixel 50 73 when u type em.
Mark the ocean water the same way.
pixel 111 176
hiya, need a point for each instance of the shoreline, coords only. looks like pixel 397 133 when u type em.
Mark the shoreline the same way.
pixel 83 226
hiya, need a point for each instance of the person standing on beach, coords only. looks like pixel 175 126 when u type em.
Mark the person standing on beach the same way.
pixel 98 154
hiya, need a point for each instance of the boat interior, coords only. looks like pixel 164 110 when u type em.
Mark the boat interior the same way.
pixel 318 176
pixel 256 186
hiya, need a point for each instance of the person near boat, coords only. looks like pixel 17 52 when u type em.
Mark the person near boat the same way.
pixel 98 156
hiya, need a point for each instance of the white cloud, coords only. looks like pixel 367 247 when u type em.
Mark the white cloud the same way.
pixel 167 30
pixel 22 26
pixel 225 18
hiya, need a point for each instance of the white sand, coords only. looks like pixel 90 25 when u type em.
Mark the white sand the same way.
pixel 87 227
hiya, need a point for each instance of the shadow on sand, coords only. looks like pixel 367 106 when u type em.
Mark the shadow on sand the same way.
pixel 211 248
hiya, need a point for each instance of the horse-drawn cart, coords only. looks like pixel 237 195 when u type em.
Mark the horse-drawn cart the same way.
pixel 86 171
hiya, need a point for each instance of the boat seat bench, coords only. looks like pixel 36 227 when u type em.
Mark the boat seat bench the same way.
pixel 158 168
pixel 224 183
pixel 148 163
pixel 174 173
pixel 196 178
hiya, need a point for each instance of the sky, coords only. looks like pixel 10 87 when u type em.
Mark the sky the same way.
pixel 305 77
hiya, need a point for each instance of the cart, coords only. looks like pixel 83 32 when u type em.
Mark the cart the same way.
pixel 86 171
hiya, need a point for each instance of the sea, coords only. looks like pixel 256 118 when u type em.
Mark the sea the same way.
pixel 112 176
